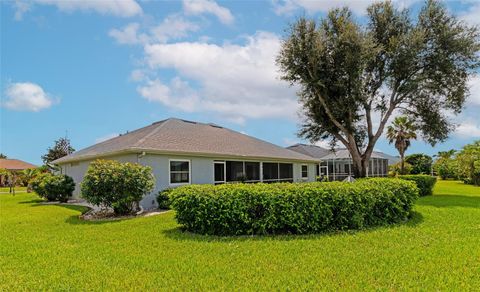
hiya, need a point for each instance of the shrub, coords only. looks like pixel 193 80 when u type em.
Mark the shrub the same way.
pixel 425 183
pixel 120 186
pixel 421 163
pixel 468 163
pixel 395 169
pixel 163 199
pixel 298 208
pixel 53 187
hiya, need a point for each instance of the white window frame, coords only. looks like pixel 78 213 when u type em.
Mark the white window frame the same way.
pixel 278 172
pixel 170 172
pixel 224 172
pixel 301 171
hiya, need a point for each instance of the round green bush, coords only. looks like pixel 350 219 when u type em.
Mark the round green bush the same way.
pixel 299 208
pixel 163 199
pixel 53 187
pixel 425 183
pixel 116 185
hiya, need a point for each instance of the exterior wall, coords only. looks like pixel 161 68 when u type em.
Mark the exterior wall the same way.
pixel 202 171
pixel 77 170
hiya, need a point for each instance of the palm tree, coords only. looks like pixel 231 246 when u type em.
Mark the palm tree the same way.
pixel 401 132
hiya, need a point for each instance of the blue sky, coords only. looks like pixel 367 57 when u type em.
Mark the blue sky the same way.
pixel 93 69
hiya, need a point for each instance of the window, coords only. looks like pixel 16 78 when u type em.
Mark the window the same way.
pixel 286 171
pixel 304 171
pixel 235 171
pixel 252 171
pixel 179 171
pixel 219 172
pixel 270 171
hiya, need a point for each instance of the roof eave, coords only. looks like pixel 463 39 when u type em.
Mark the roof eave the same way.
pixel 137 150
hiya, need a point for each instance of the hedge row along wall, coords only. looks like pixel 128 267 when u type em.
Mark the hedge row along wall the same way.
pixel 425 183
pixel 284 208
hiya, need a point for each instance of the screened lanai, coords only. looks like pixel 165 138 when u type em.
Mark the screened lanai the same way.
pixel 337 164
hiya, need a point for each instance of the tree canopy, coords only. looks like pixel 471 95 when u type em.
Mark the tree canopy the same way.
pixel 61 148
pixel 353 77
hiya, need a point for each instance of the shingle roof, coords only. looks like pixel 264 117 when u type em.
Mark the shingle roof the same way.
pixel 187 137
pixel 310 150
pixel 340 153
pixel 15 164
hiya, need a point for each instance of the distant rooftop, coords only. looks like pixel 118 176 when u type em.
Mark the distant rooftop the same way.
pixel 339 153
pixel 187 137
pixel 15 164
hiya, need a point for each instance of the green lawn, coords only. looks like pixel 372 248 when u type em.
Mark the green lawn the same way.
pixel 46 247
pixel 17 189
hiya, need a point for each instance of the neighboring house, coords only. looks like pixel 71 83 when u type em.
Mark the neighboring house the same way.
pixel 182 152
pixel 337 165
pixel 13 165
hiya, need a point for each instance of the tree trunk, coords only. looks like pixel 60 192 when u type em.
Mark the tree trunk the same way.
pixel 360 166
pixel 402 163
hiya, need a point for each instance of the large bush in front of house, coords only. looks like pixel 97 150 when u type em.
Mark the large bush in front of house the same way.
pixel 425 183
pixel 53 187
pixel 298 208
pixel 116 185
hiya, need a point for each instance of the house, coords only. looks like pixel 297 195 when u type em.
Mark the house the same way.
pixel 13 165
pixel 337 164
pixel 184 152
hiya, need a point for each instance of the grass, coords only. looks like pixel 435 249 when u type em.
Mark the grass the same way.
pixel 46 247
pixel 17 189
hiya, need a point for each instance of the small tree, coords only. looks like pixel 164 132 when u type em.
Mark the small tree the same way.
pixel 446 165
pixel 349 72
pixel 61 148
pixel 401 132
pixel 28 175
pixel 421 163
pixel 3 156
pixel 120 186
pixel 468 163
pixel 396 169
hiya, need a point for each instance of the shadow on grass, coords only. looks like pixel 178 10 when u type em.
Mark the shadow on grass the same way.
pixel 76 220
pixel 181 234
pixel 34 201
pixel 450 201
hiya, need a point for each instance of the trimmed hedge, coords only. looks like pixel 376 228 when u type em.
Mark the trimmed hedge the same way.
pixel 298 208
pixel 425 183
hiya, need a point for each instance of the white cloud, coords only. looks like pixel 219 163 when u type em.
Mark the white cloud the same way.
pixel 290 141
pixel 137 75
pixel 172 27
pixel 197 7
pixel 20 7
pixel 235 81
pixel 127 35
pixel 468 129
pixel 177 94
pixel 474 85
pixel 472 16
pixel 121 8
pixel 106 137
pixel 357 6
pixel 26 96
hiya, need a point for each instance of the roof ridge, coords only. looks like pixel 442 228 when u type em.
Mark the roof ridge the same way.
pixel 154 131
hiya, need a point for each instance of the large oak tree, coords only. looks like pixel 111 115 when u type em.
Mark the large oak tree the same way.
pixel 350 75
